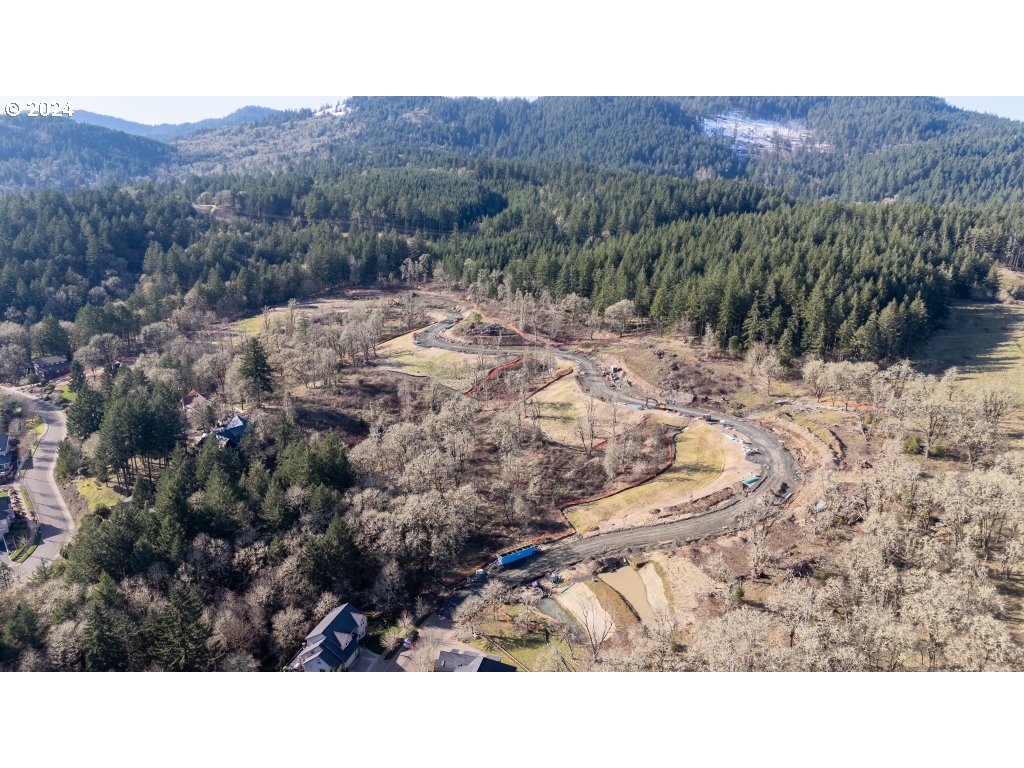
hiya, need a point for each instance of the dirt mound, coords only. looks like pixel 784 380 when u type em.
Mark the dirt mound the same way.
pixel 487 334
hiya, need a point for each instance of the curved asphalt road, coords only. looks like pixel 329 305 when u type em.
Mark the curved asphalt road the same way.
pixel 777 466
pixel 51 512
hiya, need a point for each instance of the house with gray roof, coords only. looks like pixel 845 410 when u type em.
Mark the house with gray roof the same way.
pixel 231 433
pixel 193 398
pixel 456 661
pixel 333 645
pixel 6 513
pixel 6 456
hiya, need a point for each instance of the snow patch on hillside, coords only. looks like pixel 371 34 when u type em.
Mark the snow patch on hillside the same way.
pixel 751 134
pixel 338 110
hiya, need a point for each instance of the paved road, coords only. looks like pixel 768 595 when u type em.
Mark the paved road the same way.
pixel 777 466
pixel 55 521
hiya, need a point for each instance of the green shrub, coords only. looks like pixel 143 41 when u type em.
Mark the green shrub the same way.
pixel 912 444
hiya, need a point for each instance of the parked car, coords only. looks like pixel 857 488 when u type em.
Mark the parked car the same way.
pixel 410 639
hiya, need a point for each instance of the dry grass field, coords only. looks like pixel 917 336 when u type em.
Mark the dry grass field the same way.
pixel 453 369
pixel 986 342
pixel 701 457
pixel 562 403
pixel 256 324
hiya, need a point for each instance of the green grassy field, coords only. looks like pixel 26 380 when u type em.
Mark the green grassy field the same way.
pixel 527 652
pixel 250 326
pixel 97 495
pixel 66 393
pixel 985 341
pixel 451 368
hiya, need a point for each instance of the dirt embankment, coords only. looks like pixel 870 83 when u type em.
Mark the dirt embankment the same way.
pixel 810 451
pixel 76 503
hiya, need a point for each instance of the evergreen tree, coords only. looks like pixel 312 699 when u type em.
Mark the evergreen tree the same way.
pixel 85 414
pixel 106 639
pixel 23 630
pixel 332 561
pixel 52 339
pixel 182 634
pixel 77 377
pixel 255 369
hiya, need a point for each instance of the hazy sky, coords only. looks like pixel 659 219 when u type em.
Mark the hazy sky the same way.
pixel 183 109
pixel 1005 106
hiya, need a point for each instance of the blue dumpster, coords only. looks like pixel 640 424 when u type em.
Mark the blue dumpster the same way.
pixel 517 554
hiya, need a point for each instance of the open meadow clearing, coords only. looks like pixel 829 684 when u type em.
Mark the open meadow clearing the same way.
pixel 97 494
pixel 540 648
pixel 985 341
pixel 252 326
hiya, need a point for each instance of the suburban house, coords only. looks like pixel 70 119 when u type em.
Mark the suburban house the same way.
pixel 6 513
pixel 333 645
pixel 194 397
pixel 6 457
pixel 456 661
pixel 51 367
pixel 231 433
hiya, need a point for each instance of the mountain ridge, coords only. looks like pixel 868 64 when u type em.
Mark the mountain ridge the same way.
pixel 169 131
pixel 851 148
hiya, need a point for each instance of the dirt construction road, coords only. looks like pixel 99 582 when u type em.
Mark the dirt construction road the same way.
pixel 777 466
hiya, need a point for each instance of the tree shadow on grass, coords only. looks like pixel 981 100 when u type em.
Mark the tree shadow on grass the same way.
pixel 975 337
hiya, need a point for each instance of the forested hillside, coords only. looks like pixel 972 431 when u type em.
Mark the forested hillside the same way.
pixel 735 259
pixel 56 153
pixel 59 252
pixel 864 148
pixel 856 148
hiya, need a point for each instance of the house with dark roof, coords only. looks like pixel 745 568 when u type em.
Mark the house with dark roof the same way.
pixel 333 645
pixel 6 457
pixel 456 661
pixel 51 367
pixel 194 397
pixel 6 513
